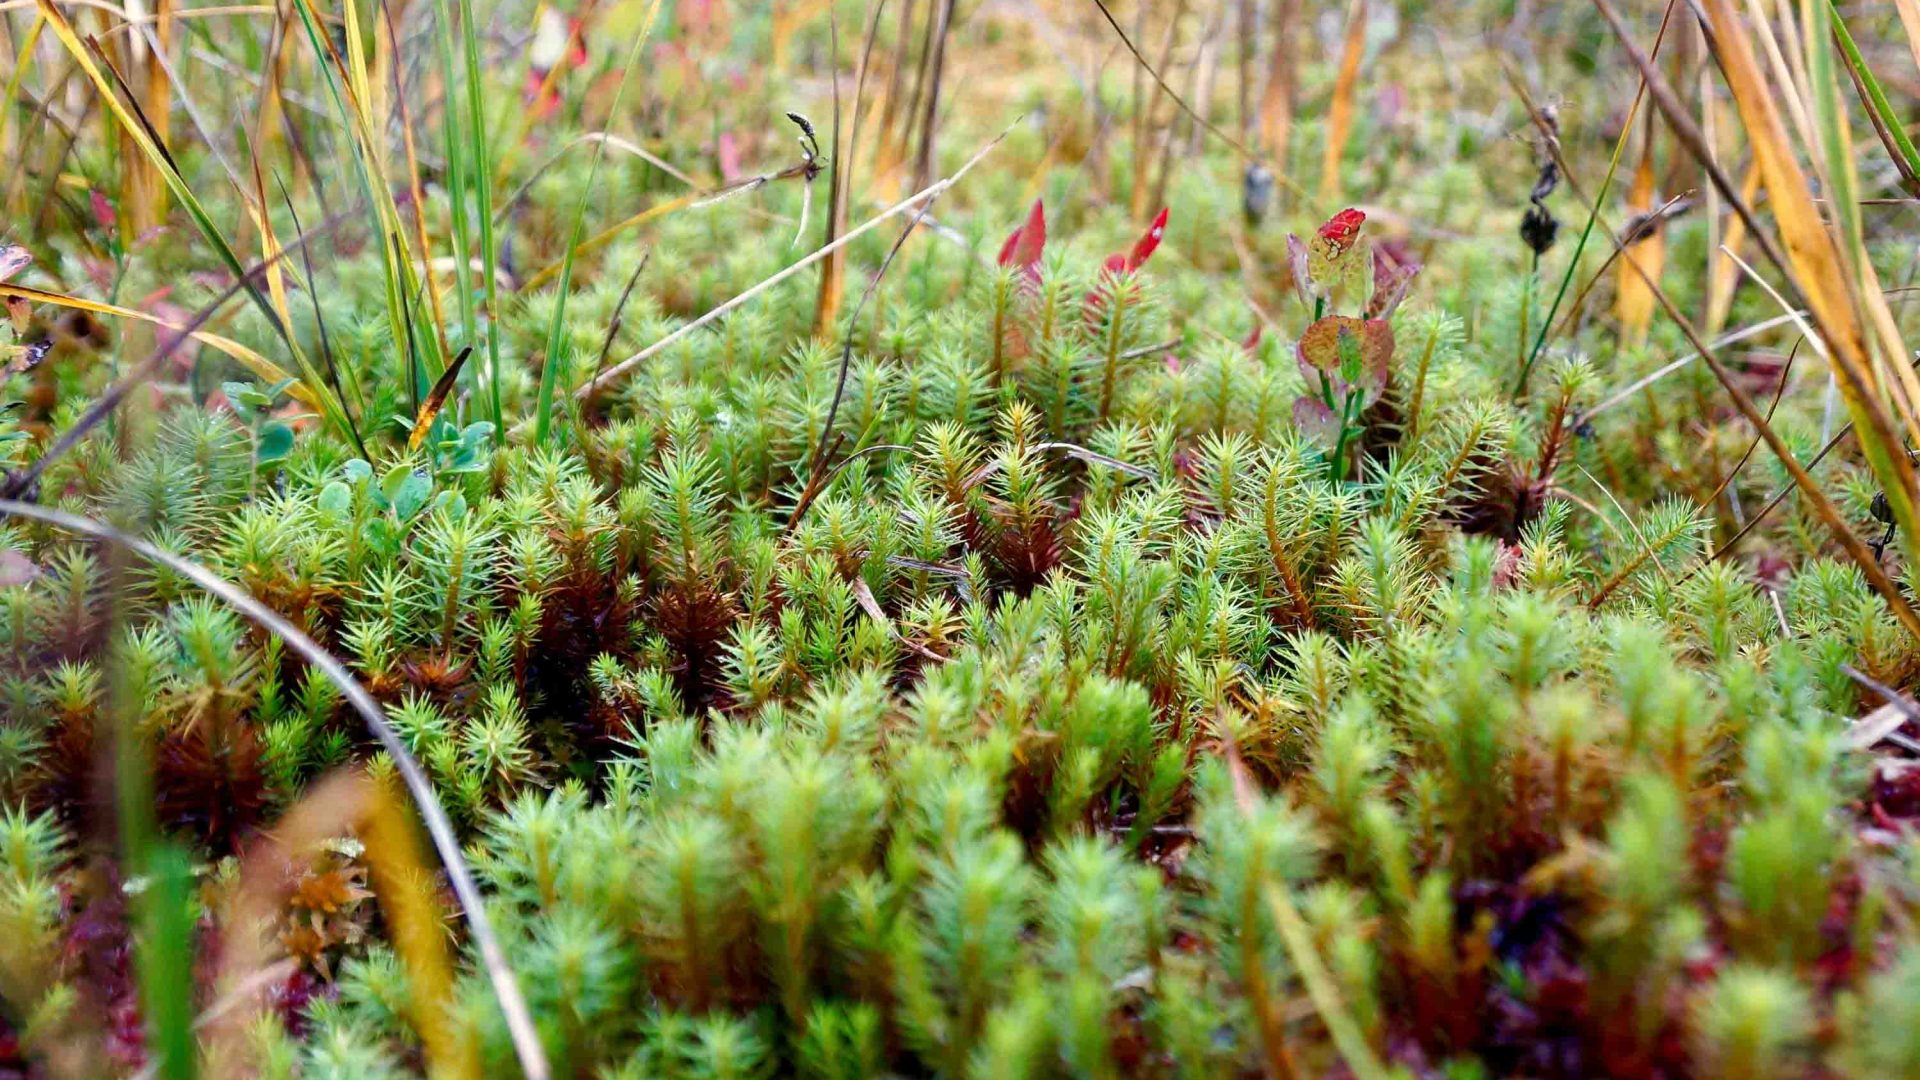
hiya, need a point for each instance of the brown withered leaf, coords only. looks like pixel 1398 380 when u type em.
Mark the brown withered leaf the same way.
pixel 26 357
pixel 437 399
pixel 13 259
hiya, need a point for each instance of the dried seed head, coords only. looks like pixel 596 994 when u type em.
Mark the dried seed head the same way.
pixel 1256 192
pixel 1538 228
pixel 1548 179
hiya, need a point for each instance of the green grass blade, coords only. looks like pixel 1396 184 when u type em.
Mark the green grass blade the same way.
pixel 164 933
pixel 479 161
pixel 458 179
pixel 556 330
pixel 1586 232
pixel 21 62
pixel 1829 120
pixel 382 210
pixel 1888 121
pixel 163 956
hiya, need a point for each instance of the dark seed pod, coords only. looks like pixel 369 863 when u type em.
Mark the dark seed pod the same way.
pixel 1538 228
pixel 1256 192
pixel 1546 182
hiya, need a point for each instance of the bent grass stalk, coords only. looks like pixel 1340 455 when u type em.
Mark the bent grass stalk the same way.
pixel 556 330
pixel 926 194
pixel 1830 515
pixel 532 1056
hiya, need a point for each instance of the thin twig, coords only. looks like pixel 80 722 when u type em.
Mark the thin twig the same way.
pixel 930 192
pixel 1768 507
pixel 817 475
pixel 1236 145
pixel 1730 338
pixel 1642 226
pixel 1829 514
pixel 1900 703
pixel 1779 392
pixel 876 448
pixel 619 312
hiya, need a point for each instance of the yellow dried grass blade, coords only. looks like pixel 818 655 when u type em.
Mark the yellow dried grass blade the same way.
pixel 1910 22
pixel 611 232
pixel 132 127
pixel 1340 112
pixel 1725 274
pixel 346 803
pixel 1819 271
pixel 408 888
pixel 267 371
pixel 362 97
pixel 135 130
pixel 270 251
pixel 1786 81
pixel 1633 300
pixel 19 71
pixel 350 78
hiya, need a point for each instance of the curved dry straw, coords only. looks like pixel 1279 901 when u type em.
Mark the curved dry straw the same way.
pixel 917 202
pixel 526 1041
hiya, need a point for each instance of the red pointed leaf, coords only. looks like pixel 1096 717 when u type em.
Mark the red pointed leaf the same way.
pixel 1144 247
pixel 1024 247
pixel 103 211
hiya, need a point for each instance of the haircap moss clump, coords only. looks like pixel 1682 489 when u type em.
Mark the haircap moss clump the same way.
pixel 1011 755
